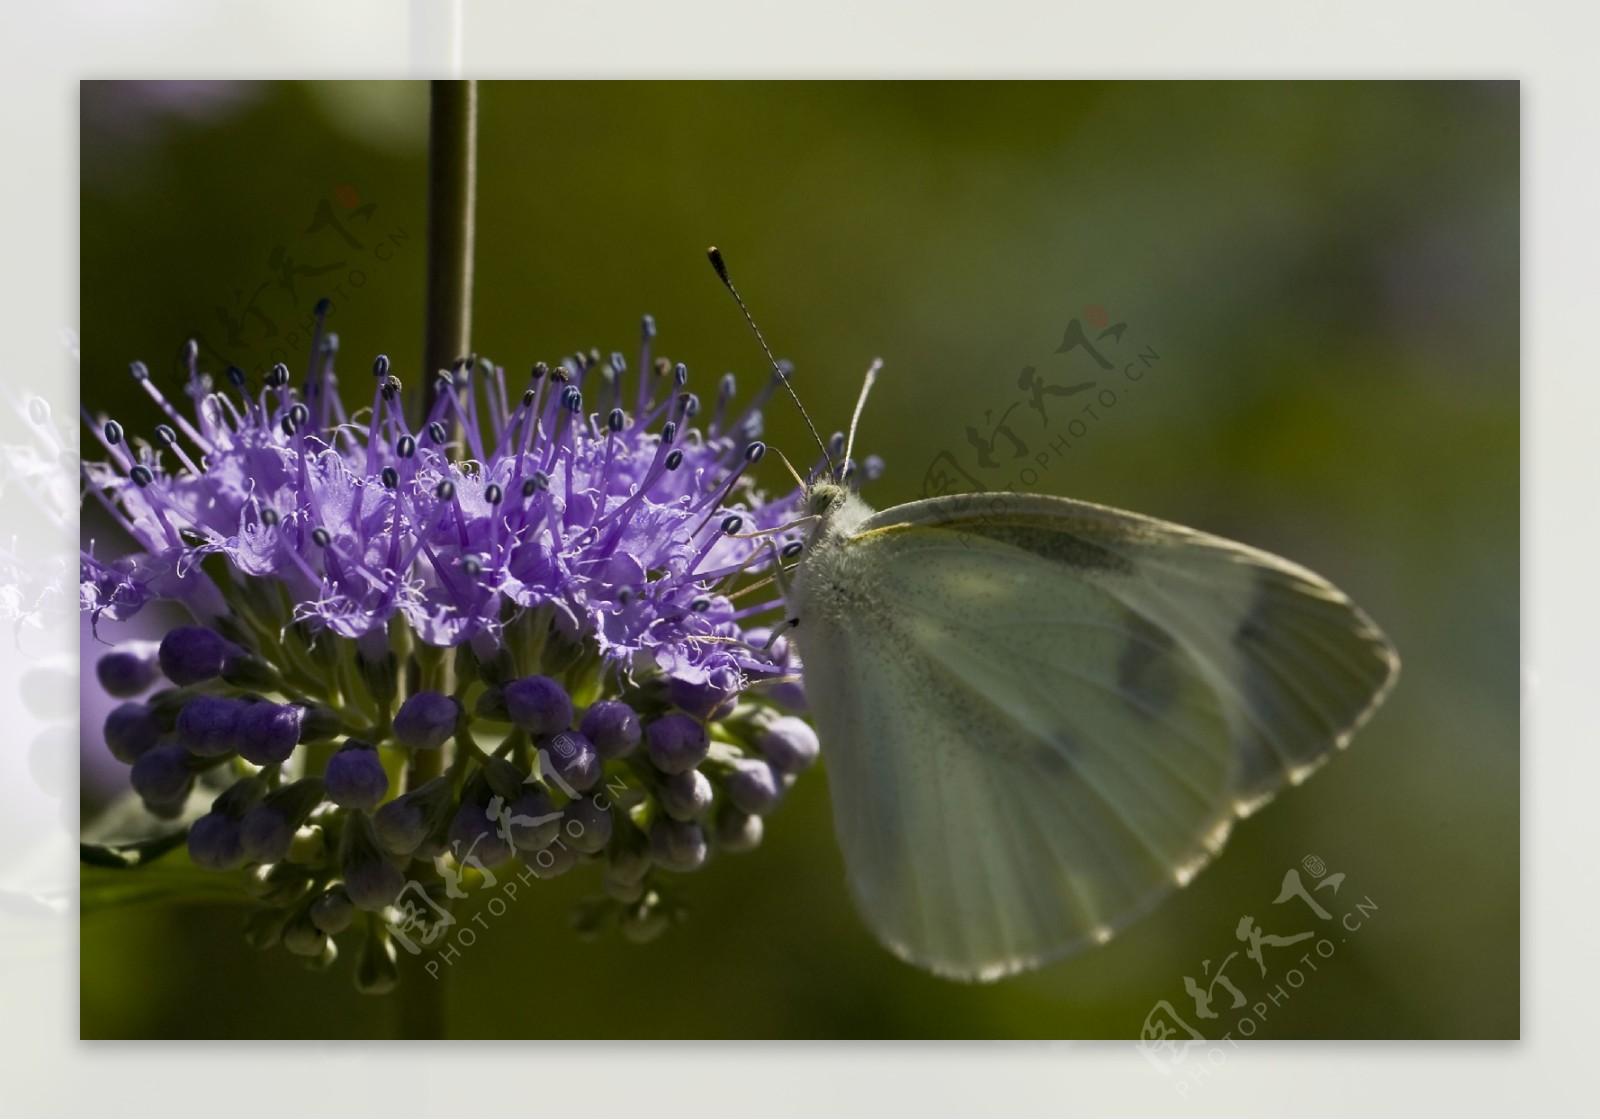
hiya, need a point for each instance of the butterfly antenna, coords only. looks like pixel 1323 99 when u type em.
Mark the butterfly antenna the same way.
pixel 714 254
pixel 800 482
pixel 861 402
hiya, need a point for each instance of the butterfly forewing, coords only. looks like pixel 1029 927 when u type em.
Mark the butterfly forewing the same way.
pixel 1039 718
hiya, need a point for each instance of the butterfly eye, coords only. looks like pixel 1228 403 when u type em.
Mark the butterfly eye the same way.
pixel 824 498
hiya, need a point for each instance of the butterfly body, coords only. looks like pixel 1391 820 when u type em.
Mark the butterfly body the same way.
pixel 1040 715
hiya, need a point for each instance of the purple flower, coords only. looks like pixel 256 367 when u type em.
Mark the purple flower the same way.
pixel 128 671
pixel 539 705
pixel 267 733
pixel 512 593
pixel 372 884
pixel 599 494
pixel 685 796
pixel 355 777
pixel 214 842
pixel 586 825
pixel 754 787
pixel 426 720
pixel 266 831
pixel 208 725
pixel 161 776
pixel 473 836
pixel 613 728
pixel 573 761
pixel 131 730
pixel 737 832
pixel 333 911
pixel 192 654
pixel 676 743
pixel 677 845
pixel 789 744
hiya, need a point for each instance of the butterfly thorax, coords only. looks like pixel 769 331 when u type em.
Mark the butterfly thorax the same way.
pixel 828 580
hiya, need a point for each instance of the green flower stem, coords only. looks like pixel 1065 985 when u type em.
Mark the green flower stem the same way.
pixel 452 188
pixel 452 199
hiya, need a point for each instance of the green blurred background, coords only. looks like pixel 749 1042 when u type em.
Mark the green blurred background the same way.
pixel 1328 271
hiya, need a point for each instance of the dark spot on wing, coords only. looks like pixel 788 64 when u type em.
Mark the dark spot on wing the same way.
pixel 1148 668
pixel 1050 760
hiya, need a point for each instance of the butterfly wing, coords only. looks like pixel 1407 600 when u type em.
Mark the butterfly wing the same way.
pixel 1042 715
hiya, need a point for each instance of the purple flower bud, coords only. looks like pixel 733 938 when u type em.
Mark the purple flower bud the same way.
pixel 276 884
pixel 586 825
pixel 302 938
pixel 676 743
pixel 790 695
pixel 539 705
pixel 192 654
pixel 629 864
pixel 214 843
pixel 208 725
pixel 623 890
pixel 535 821
pixel 333 911
pixel 355 777
pixel 754 787
pixel 676 845
pixel 373 884
pixel 789 743
pixel 548 863
pixel 737 832
pixel 267 733
pixel 377 972
pixel 426 720
pixel 267 830
pixel 685 796
pixel 711 698
pixel 130 731
pixel 475 836
pixel 161 775
pixel 612 727
pixel 130 671
pixel 401 826
pixel 571 760
pixel 265 834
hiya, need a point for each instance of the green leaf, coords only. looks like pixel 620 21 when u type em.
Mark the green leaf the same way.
pixel 172 881
pixel 120 857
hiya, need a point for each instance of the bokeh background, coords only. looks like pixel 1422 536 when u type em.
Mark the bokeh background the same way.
pixel 1327 271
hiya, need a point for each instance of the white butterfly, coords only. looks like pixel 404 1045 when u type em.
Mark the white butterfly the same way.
pixel 1040 715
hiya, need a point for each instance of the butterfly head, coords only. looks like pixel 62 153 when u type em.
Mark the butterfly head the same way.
pixel 825 498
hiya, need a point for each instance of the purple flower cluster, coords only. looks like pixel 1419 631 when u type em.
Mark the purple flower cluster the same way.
pixel 517 629
pixel 593 494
